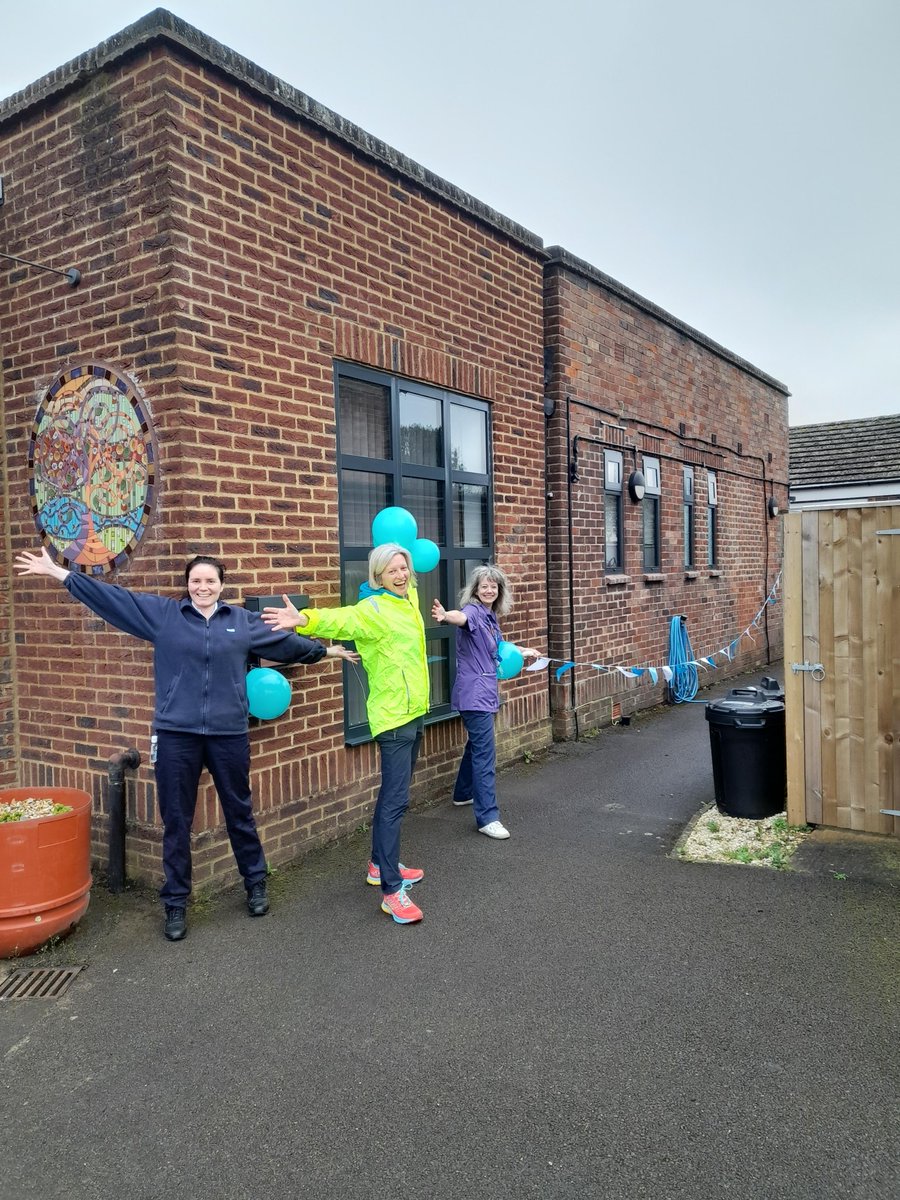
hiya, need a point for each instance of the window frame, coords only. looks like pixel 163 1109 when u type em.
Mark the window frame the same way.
pixel 712 520
pixel 689 525
pixel 614 487
pixel 652 499
pixel 453 557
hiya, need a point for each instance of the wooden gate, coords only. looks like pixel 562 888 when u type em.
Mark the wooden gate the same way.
pixel 842 613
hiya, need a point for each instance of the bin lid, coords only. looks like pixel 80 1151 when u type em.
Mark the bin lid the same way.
pixel 743 704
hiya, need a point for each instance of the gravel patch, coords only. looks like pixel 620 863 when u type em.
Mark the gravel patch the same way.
pixel 713 836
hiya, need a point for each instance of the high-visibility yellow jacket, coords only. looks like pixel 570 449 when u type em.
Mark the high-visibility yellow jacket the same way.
pixel 390 636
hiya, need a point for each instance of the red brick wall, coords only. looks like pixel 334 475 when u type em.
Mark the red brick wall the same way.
pixel 616 364
pixel 231 252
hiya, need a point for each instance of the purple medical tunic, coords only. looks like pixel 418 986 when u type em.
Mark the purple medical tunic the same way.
pixel 475 687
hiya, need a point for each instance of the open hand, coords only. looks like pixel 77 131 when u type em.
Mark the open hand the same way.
pixel 339 651
pixel 283 618
pixel 39 564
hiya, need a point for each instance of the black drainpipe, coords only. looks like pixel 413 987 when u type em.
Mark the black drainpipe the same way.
pixel 119 762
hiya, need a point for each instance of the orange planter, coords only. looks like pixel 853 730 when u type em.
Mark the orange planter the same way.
pixel 45 870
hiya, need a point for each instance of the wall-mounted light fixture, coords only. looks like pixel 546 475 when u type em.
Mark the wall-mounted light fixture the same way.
pixel 637 485
pixel 772 506
pixel 549 407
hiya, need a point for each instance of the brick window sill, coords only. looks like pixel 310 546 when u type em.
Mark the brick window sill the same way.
pixel 654 577
pixel 715 573
pixel 616 580
pixel 692 574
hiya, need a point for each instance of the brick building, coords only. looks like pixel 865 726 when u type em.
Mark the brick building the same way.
pixel 630 388
pixel 303 326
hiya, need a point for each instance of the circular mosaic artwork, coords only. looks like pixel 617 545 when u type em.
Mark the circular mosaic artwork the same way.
pixel 93 468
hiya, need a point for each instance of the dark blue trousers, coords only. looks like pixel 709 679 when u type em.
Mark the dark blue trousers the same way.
pixel 180 759
pixel 399 750
pixel 476 779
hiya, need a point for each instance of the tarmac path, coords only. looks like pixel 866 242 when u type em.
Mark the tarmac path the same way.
pixel 579 1015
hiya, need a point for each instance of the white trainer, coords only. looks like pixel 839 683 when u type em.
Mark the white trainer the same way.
pixel 494 830
pixel 462 803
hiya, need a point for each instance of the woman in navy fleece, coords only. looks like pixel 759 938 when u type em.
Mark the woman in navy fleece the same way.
pixel 201 645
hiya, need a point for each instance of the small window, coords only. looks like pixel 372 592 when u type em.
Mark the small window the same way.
pixel 613 560
pixel 651 519
pixel 688 511
pixel 712 520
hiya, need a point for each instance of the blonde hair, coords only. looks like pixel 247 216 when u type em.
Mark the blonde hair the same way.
pixel 381 556
pixel 503 603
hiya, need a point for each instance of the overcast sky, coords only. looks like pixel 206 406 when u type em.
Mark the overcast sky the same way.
pixel 735 163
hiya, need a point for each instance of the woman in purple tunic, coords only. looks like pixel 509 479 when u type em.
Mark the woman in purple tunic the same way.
pixel 475 695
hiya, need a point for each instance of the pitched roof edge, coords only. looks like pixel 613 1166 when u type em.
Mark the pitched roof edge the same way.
pixel 558 255
pixel 162 25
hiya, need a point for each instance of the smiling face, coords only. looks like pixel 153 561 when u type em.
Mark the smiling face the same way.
pixel 486 592
pixel 204 586
pixel 395 576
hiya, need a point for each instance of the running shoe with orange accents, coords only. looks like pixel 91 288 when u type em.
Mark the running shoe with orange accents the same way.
pixel 399 906
pixel 409 875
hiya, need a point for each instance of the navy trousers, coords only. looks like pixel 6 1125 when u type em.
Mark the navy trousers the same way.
pixel 399 750
pixel 476 779
pixel 180 759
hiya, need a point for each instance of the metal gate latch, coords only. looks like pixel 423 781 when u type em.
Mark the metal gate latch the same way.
pixel 815 669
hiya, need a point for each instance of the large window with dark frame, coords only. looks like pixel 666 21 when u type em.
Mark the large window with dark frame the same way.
pixel 651 523
pixel 426 450
pixel 614 541
pixel 688 511
pixel 712 519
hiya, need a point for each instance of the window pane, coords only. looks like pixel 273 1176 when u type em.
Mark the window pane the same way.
pixel 365 417
pixel 651 533
pixel 429 589
pixel 612 502
pixel 470 515
pixel 356 685
pixel 711 536
pixel 468 431
pixel 688 535
pixel 363 494
pixel 438 652
pixel 425 500
pixel 421 430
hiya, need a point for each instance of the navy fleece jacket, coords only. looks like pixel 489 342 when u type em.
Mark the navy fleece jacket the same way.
pixel 199 666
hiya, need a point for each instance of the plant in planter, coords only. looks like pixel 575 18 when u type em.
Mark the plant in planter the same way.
pixel 45 865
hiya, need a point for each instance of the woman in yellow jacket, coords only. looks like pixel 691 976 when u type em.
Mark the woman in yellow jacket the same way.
pixel 389 633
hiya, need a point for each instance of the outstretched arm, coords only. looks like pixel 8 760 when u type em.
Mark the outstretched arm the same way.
pixel 39 564
pixel 452 616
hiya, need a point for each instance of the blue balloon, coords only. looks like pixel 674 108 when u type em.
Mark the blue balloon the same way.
pixel 509 660
pixel 395 525
pixel 425 555
pixel 268 693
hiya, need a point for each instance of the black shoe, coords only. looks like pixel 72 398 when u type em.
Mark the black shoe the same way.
pixel 258 900
pixel 176 925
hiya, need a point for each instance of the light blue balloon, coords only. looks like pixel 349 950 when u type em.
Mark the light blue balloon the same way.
pixel 425 555
pixel 268 693
pixel 509 660
pixel 395 525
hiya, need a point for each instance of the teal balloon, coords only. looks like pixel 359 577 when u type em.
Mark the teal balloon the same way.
pixel 268 693
pixel 395 525
pixel 509 660
pixel 425 556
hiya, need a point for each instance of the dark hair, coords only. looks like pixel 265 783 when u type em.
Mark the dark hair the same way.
pixel 204 560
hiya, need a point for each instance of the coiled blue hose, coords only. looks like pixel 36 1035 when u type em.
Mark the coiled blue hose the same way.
pixel 684 676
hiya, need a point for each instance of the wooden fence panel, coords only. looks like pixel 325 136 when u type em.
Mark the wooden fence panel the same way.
pixel 842 609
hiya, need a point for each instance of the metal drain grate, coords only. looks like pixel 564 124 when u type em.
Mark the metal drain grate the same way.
pixel 37 983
